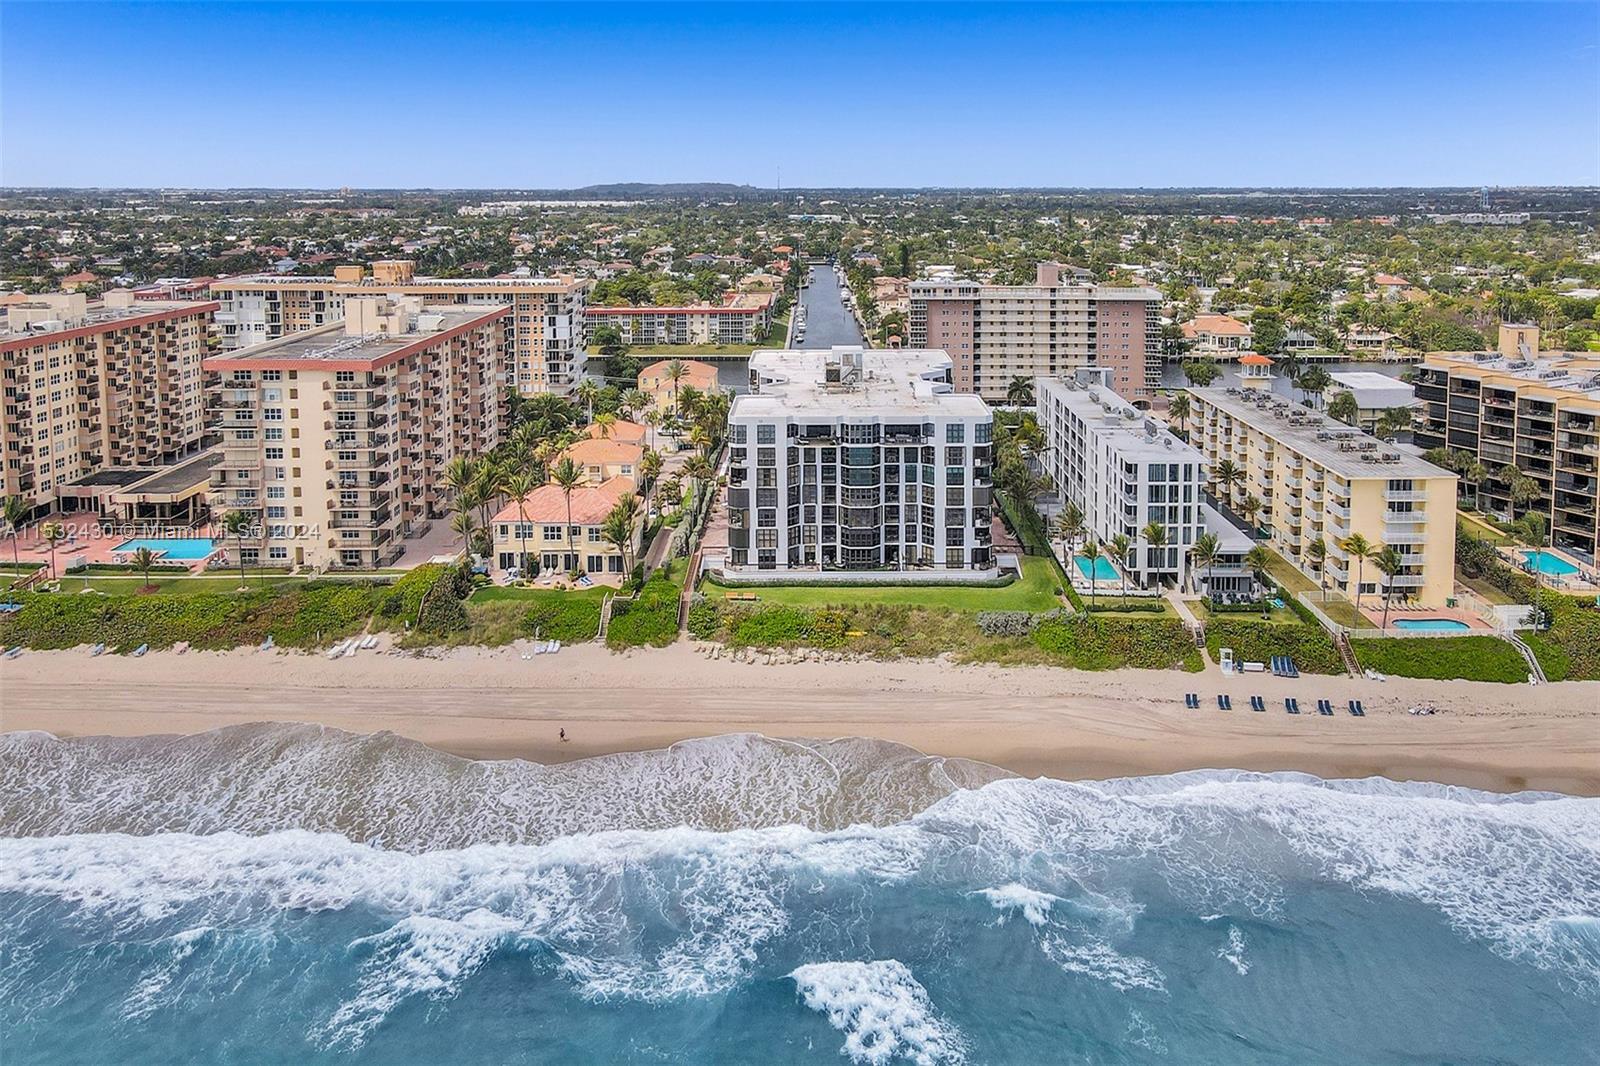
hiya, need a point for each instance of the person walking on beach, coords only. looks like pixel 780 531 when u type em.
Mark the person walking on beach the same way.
pixel 563 736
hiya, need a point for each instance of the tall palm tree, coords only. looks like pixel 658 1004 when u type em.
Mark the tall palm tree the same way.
pixel 16 508
pixel 652 419
pixel 1179 409
pixel 520 485
pixel 54 533
pixel 1120 546
pixel 524 445
pixel 618 529
pixel 1317 552
pixel 466 525
pixel 568 476
pixel 604 422
pixel 1203 555
pixel 1259 560
pixel 1019 392
pixel 459 473
pixel 1155 535
pixel 1389 563
pixel 1250 506
pixel 1227 475
pixel 1360 548
pixel 1069 524
pixel 675 373
pixel 697 468
pixel 635 401
pixel 488 481
pixel 650 464
pixel 588 392
pixel 236 524
pixel 1091 553
pixel 143 558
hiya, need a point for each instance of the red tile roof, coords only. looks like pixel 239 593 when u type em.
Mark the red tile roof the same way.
pixel 548 503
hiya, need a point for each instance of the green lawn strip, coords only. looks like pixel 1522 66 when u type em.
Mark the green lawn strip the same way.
pixel 1477 658
pixel 498 593
pixel 1479 527
pixel 1035 590
pixel 1487 589
pixel 1286 574
pixel 1253 640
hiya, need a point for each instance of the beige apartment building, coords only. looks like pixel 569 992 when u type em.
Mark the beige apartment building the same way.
pixel 1516 407
pixel 997 333
pixel 741 318
pixel 337 438
pixel 546 332
pixel 1317 478
pixel 89 385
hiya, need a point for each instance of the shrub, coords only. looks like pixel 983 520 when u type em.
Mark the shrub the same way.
pixel 1090 643
pixel 1006 623
pixel 705 618
pixel 651 618
pixel 1446 658
pixel 404 597
pixel 443 608
pixel 1309 646
pixel 569 620
pixel 1146 606
pixel 1570 649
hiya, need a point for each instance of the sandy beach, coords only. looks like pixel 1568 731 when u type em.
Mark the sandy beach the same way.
pixel 1066 724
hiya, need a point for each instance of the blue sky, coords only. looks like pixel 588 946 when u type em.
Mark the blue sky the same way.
pixel 924 94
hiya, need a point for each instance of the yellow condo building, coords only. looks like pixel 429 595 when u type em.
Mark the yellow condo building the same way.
pixel 1317 478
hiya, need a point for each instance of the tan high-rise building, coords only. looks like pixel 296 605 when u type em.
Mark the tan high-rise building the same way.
pixel 337 438
pixel 1317 478
pixel 546 336
pixel 998 333
pixel 89 385
pixel 1538 413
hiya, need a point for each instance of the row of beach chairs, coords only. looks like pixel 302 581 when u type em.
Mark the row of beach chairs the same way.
pixel 1291 705
pixel 1283 666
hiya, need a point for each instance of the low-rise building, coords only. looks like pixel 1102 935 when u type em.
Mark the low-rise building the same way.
pixel 95 385
pixel 1320 479
pixel 603 459
pixel 657 380
pixel 741 318
pixel 1216 335
pixel 1374 394
pixel 336 439
pixel 562 534
pixel 853 459
pixel 1123 471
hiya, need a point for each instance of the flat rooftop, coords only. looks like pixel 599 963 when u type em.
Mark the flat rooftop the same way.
pixel 330 348
pixel 98 316
pixel 328 281
pixel 888 382
pixel 1130 431
pixel 1569 371
pixel 1341 448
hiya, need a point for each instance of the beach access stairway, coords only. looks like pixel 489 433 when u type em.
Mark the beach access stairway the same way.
pixel 1527 653
pixel 1347 654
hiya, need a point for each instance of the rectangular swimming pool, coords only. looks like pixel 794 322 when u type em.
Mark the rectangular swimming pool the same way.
pixel 1548 564
pixel 1101 570
pixel 1430 624
pixel 184 548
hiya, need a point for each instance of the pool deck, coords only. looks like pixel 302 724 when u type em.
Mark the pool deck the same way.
pixel 1584 581
pixel 1402 612
pixel 83 543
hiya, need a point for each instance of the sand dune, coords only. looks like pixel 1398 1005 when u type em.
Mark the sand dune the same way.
pixel 1035 721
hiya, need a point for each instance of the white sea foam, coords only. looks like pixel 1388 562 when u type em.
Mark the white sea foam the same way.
pixel 1034 905
pixel 883 1011
pixel 1233 951
pixel 1100 961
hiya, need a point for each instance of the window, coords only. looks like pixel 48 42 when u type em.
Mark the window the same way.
pixel 552 533
pixel 955 433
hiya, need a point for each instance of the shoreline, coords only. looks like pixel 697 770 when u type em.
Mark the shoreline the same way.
pixel 1033 721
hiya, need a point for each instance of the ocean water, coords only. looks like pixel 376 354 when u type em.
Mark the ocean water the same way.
pixel 288 894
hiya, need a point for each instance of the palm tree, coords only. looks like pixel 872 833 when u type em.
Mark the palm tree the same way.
pixel 652 419
pixel 1179 409
pixel 1069 524
pixel 1361 550
pixel 1120 546
pixel 1393 422
pixel 588 392
pixel 1155 535
pixel 1259 560
pixel 650 464
pixel 1019 392
pixel 54 533
pixel 675 373
pixel 697 468
pixel 466 525
pixel 1250 506
pixel 16 508
pixel 488 481
pixel 1317 552
pixel 143 558
pixel 459 473
pixel 1207 546
pixel 1389 563
pixel 236 524
pixel 604 422
pixel 1091 552
pixel 1227 475
pixel 568 476
pixel 618 529
pixel 636 400
pixel 1343 407
pixel 520 485
pixel 524 445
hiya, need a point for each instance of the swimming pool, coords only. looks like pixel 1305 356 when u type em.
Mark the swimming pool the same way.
pixel 186 548
pixel 1548 564
pixel 1100 570
pixel 1430 624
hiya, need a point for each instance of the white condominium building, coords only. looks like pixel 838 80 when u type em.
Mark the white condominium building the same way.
pixel 1320 479
pixel 336 439
pixel 113 383
pixel 546 331
pixel 855 459
pixel 1123 471
pixel 998 333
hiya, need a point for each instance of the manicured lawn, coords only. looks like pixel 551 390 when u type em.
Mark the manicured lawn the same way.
pixel 1343 611
pixel 1443 658
pixel 502 594
pixel 1285 574
pixel 1279 615
pixel 1033 591
pixel 127 584
pixel 1480 528
pixel 1485 588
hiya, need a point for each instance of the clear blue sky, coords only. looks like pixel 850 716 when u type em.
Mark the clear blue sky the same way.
pixel 526 96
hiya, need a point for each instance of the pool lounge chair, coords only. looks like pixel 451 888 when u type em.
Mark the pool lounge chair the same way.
pixel 1224 702
pixel 140 650
pixel 1357 710
pixel 1191 700
pixel 1257 703
pixel 1291 705
pixel 1324 707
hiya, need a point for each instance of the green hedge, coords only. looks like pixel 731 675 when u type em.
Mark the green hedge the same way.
pixel 1443 658
pixel 650 619
pixel 1253 640
pixel 998 582
pixel 1120 606
pixel 1570 649
pixel 303 616
pixel 570 621
pixel 1090 643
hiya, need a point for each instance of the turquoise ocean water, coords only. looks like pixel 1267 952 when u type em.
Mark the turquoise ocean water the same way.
pixel 285 894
